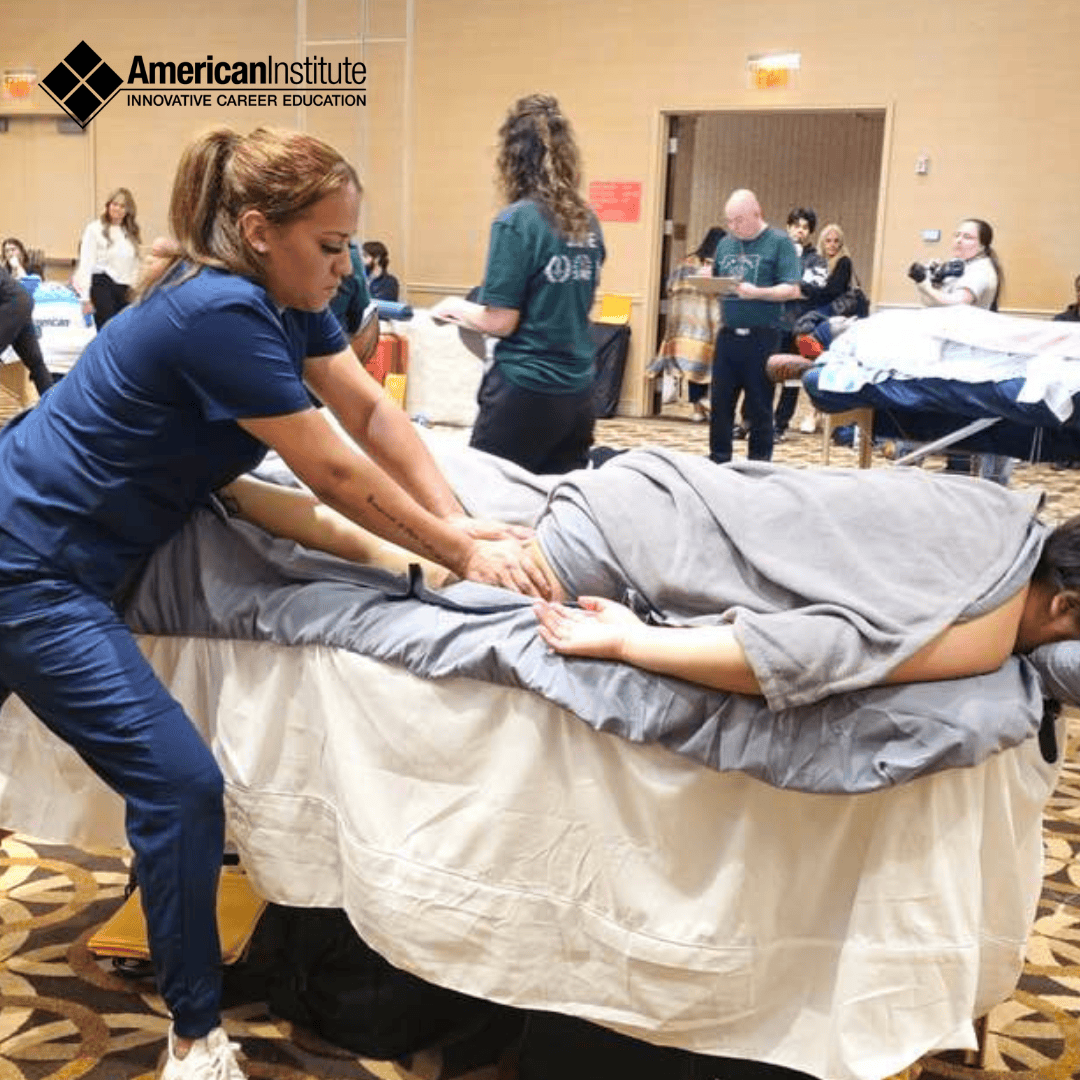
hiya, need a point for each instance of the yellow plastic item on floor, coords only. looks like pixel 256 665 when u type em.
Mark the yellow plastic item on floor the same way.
pixel 238 912
pixel 395 388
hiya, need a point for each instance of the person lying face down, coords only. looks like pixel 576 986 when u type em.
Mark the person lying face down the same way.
pixel 1039 614
pixel 1037 602
pixel 956 576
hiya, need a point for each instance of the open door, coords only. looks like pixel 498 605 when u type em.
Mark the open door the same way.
pixel 829 160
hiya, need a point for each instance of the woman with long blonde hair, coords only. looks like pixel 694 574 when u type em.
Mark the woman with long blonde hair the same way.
pixel 543 266
pixel 839 269
pixel 109 258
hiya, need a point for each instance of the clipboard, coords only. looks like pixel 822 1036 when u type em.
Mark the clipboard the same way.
pixel 714 286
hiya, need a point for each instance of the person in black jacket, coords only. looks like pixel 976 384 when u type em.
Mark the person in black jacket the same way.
pixel 17 329
pixel 838 269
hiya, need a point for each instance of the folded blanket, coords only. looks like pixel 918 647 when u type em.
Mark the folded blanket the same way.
pixel 224 578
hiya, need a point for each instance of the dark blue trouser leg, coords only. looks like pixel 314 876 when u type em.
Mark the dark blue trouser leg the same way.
pixel 75 664
pixel 753 352
pixel 724 387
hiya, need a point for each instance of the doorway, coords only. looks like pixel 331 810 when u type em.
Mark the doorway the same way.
pixel 829 160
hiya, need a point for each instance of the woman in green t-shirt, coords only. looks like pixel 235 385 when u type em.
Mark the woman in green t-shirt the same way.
pixel 543 266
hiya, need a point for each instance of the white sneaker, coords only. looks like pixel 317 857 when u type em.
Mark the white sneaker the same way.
pixel 808 425
pixel 212 1057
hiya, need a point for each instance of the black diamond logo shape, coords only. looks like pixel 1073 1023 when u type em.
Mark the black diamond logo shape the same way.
pixel 60 81
pixel 82 59
pixel 83 104
pixel 104 82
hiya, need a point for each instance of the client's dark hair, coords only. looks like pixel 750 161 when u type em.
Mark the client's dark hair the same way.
pixel 1059 562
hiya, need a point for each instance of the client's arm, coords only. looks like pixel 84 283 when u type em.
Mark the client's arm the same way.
pixel 300 516
pixel 709 655
pixel 713 657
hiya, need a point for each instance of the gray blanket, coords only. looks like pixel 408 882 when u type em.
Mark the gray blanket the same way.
pixel 237 582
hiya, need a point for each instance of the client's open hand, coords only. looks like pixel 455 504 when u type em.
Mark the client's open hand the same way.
pixel 509 563
pixel 598 628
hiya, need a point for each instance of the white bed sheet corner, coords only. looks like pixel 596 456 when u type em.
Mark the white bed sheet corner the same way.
pixel 469 830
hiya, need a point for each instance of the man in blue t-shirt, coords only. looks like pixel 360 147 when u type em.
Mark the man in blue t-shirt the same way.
pixel 763 263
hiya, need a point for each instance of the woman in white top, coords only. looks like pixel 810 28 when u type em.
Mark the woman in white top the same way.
pixel 980 282
pixel 109 258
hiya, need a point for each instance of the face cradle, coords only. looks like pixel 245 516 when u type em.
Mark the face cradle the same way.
pixel 305 260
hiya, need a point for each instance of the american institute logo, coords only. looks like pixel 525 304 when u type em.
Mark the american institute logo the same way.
pixel 82 84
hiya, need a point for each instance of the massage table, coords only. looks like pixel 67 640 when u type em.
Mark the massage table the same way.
pixel 958 378
pixel 481 836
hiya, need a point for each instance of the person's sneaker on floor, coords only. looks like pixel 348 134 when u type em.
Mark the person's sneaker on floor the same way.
pixel 700 413
pixel 738 432
pixel 809 424
pixel 212 1057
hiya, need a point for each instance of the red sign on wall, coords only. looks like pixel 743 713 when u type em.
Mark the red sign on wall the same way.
pixel 616 200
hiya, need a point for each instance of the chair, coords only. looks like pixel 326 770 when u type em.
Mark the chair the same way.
pixel 863 419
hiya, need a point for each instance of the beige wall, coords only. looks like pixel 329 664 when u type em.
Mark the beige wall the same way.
pixel 984 89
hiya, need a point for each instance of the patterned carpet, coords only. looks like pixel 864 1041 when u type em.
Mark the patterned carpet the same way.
pixel 65 1015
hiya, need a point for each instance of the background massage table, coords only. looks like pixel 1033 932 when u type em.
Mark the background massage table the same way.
pixel 1023 405
pixel 469 828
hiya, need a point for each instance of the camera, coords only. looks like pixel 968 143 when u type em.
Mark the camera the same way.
pixel 936 271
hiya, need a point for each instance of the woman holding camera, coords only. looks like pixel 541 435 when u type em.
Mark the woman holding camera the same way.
pixel 973 276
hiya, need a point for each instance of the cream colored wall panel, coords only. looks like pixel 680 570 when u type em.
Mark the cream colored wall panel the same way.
pixel 32 150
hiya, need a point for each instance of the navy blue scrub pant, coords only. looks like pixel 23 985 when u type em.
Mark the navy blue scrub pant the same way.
pixel 739 364
pixel 73 661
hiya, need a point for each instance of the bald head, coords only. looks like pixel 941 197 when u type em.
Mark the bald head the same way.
pixel 743 213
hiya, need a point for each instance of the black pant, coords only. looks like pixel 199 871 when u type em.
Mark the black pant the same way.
pixel 739 364
pixel 108 297
pixel 17 330
pixel 544 433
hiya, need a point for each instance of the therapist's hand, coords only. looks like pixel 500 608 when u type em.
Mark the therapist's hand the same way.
pixel 509 563
pixel 489 528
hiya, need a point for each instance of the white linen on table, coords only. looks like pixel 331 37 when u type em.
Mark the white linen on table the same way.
pixel 961 343
pixel 485 840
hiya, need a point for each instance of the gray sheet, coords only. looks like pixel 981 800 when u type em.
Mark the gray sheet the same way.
pixel 228 579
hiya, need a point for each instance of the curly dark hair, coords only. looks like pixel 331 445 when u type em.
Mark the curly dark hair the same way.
pixel 539 159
